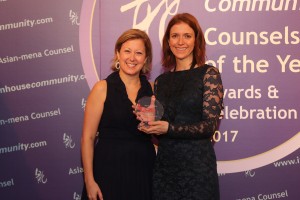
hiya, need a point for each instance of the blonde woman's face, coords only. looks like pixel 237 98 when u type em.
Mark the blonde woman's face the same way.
pixel 132 56
pixel 182 41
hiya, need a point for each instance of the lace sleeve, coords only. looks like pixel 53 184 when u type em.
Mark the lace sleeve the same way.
pixel 212 106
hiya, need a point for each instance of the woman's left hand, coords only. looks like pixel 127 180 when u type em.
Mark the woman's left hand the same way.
pixel 154 127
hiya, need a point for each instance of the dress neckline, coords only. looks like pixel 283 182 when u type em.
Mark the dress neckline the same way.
pixel 142 89
pixel 187 70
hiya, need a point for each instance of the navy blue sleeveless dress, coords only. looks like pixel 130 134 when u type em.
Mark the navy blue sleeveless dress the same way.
pixel 124 156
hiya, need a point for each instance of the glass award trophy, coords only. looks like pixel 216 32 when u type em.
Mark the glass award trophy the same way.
pixel 149 109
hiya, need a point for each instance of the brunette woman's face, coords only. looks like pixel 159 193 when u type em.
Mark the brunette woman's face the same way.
pixel 182 41
pixel 132 56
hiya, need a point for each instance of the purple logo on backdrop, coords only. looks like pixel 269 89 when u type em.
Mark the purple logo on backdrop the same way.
pixel 74 17
pixel 40 177
pixel 142 18
pixel 68 141
pixel 168 7
pixel 76 196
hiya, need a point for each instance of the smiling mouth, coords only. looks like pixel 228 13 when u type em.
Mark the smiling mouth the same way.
pixel 181 48
pixel 130 65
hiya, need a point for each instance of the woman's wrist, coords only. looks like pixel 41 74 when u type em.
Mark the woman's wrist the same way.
pixel 169 128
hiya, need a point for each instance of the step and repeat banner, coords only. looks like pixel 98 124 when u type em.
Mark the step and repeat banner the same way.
pixel 43 90
pixel 53 52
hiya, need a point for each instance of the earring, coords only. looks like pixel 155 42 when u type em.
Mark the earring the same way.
pixel 117 65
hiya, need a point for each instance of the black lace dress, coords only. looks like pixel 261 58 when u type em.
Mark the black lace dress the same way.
pixel 124 156
pixel 185 167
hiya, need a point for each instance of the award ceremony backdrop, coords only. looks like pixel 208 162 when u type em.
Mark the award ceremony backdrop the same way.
pixel 53 52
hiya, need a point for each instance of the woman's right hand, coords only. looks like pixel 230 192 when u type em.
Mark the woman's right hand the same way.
pixel 93 191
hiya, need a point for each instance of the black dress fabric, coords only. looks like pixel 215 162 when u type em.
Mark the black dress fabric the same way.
pixel 123 156
pixel 185 167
